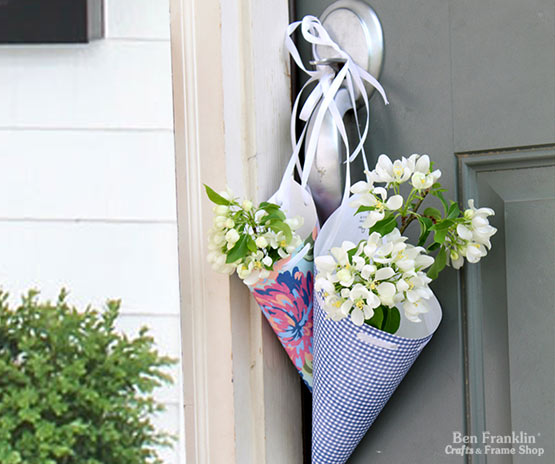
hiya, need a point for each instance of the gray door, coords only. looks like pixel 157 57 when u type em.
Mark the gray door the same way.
pixel 472 83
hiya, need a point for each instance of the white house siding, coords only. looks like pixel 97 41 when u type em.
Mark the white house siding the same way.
pixel 87 189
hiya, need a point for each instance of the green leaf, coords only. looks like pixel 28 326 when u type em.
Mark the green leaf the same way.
pixel 439 264
pixel 439 236
pixel 453 211
pixel 251 244
pixel 280 226
pixel 392 320
pixel 351 253
pixel 443 224
pixel 439 195
pixel 215 197
pixel 386 225
pixel 425 224
pixel 239 251
pixel 432 212
pixel 363 209
pixel 274 215
pixel 377 318
pixel 266 206
pixel 434 246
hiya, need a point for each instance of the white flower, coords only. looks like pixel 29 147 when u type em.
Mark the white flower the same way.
pixel 323 285
pixel 421 181
pixel 252 270
pixel 473 236
pixel 422 164
pixel 345 277
pixel 325 264
pixel 481 230
pixel 475 252
pixel 414 309
pixel 379 201
pixel 387 171
pixel 386 293
pixel 422 178
pixel 340 253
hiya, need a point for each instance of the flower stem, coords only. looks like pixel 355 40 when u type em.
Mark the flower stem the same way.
pixel 404 221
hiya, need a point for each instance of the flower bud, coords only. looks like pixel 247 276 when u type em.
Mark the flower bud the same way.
pixel 247 205
pixel 468 214
pixel 232 236
pixel 221 210
pixel 229 223
pixel 261 242
pixel 454 255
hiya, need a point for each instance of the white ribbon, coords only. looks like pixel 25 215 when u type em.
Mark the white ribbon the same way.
pixel 328 84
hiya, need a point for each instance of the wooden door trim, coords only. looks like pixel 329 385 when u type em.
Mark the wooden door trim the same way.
pixel 231 84
pixel 470 165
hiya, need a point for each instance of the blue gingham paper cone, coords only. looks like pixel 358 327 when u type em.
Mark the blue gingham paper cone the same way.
pixel 356 369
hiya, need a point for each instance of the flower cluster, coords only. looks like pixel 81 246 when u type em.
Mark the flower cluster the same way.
pixel 367 281
pixel 472 236
pixel 249 239
pixel 416 167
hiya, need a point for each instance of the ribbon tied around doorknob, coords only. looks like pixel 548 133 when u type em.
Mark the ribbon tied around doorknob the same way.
pixel 331 76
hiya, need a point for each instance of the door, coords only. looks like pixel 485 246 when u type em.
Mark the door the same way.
pixel 473 85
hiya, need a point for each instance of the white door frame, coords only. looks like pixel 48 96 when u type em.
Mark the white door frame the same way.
pixel 231 85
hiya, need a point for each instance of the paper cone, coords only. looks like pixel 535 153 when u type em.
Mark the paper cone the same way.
pixel 286 301
pixel 356 368
pixel 285 297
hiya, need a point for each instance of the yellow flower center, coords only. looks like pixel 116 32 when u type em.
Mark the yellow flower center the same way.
pixel 411 285
pixel 337 304
pixel 359 304
pixel 283 244
pixel 398 172
pixel 373 286
pixel 257 265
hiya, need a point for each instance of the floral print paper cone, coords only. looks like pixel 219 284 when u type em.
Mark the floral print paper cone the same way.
pixel 286 299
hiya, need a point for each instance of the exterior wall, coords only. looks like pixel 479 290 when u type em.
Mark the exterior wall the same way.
pixel 87 196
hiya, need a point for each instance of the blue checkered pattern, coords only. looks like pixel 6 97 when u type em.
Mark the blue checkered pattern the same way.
pixel 353 379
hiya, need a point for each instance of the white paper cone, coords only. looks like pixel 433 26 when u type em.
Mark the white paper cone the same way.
pixel 356 369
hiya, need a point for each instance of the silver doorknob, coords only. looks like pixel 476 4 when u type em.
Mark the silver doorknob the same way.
pixel 355 27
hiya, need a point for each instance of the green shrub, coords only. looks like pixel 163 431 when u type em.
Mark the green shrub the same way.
pixel 73 390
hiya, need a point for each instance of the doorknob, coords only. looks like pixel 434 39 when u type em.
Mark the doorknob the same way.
pixel 355 27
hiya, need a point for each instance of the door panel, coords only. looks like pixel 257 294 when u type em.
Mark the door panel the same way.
pixel 471 76
pixel 508 299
